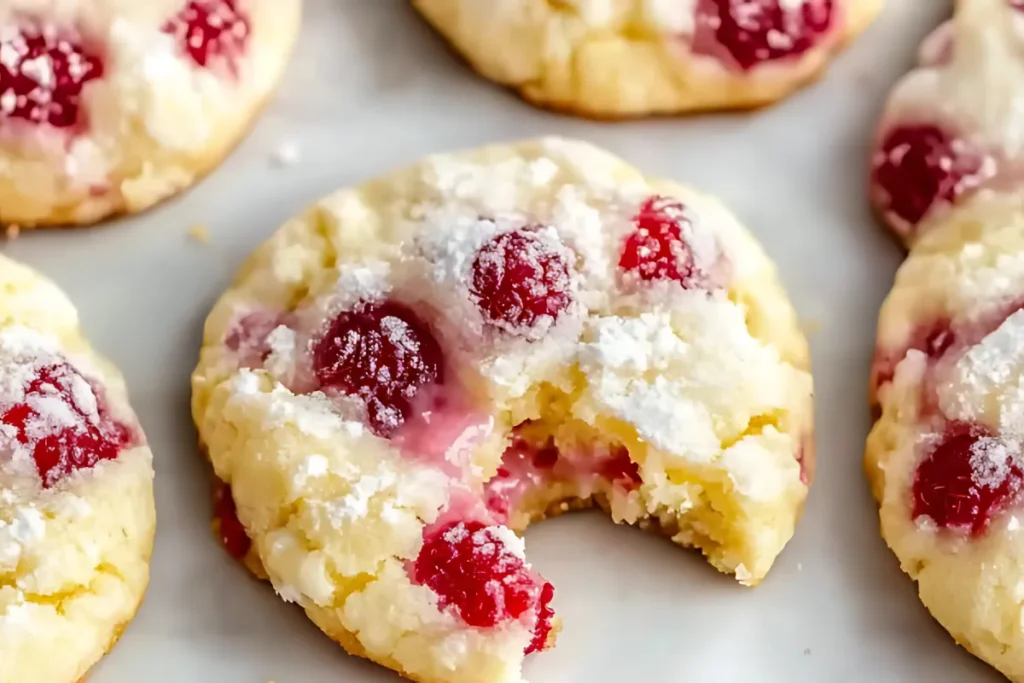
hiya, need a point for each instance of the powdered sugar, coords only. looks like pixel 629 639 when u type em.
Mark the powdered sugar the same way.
pixel 28 526
pixel 991 459
pixel 987 383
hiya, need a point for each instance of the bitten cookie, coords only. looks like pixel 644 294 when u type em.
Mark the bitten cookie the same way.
pixel 406 375
pixel 110 106
pixel 76 490
pixel 627 58
pixel 953 128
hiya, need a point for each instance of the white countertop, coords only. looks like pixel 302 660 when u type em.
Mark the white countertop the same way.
pixel 371 88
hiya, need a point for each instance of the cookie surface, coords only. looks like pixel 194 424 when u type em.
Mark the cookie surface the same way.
pixel 627 58
pixel 76 490
pixel 110 106
pixel 952 130
pixel 402 378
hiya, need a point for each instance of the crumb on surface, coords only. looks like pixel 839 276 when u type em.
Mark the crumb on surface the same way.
pixel 286 154
pixel 200 233
pixel 12 231
pixel 810 326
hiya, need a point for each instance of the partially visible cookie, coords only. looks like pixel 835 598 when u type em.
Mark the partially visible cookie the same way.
pixel 953 127
pixel 628 58
pixel 946 457
pixel 110 106
pixel 76 490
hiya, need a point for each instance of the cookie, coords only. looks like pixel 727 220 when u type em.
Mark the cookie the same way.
pixel 76 490
pixel 111 106
pixel 628 58
pixel 405 376
pixel 944 458
pixel 951 129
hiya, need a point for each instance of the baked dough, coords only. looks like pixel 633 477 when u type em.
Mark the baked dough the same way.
pixel 76 490
pixel 627 58
pixel 110 106
pixel 402 378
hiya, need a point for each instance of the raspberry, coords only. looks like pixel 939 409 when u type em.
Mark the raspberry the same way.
pixel 383 354
pixel 921 165
pixel 621 470
pixel 63 421
pixel 966 479
pixel 210 30
pixel 933 340
pixel 473 572
pixel 232 533
pixel 42 74
pixel 656 250
pixel 248 337
pixel 756 31
pixel 521 279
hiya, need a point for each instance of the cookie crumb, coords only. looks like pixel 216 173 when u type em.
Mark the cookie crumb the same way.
pixel 287 154
pixel 13 231
pixel 811 326
pixel 200 233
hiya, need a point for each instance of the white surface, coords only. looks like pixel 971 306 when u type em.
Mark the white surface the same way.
pixel 371 87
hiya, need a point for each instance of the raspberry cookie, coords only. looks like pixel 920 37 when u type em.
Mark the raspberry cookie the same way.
pixel 76 490
pixel 945 457
pixel 404 377
pixel 110 106
pixel 952 128
pixel 630 58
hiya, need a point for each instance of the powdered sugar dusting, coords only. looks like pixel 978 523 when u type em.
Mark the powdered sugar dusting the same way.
pixel 991 459
pixel 987 383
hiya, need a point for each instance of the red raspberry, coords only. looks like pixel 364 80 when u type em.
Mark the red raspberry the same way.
pixel 473 572
pixel 966 479
pixel 232 533
pixel 657 249
pixel 42 74
pixel 756 31
pixel 382 353
pixel 921 165
pixel 521 279
pixel 64 434
pixel 209 30
pixel 621 470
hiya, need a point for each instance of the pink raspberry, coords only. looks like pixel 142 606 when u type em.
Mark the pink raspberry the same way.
pixel 382 353
pixel 43 71
pixel 966 479
pixel 211 30
pixel 657 248
pixel 620 469
pixel 473 572
pixel 919 166
pixel 933 341
pixel 64 432
pixel 757 31
pixel 521 279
